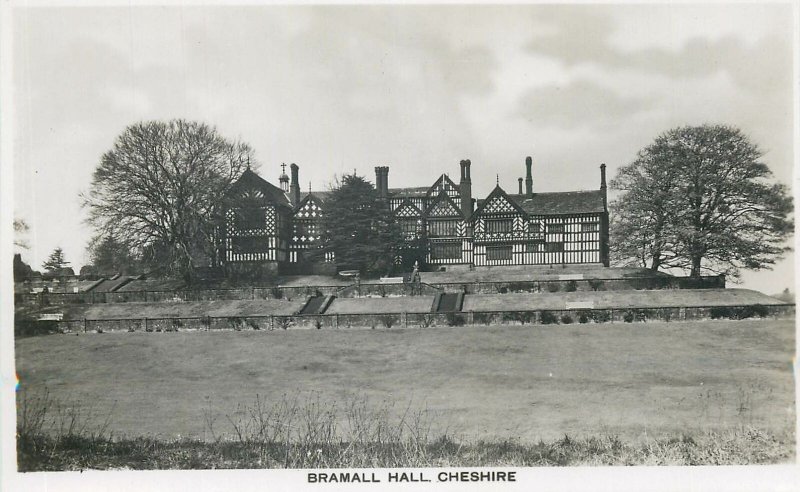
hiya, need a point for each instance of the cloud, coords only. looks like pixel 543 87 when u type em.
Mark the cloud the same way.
pixel 577 104
pixel 587 35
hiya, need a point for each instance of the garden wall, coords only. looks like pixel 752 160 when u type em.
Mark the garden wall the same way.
pixel 578 285
pixel 426 320
pixel 373 289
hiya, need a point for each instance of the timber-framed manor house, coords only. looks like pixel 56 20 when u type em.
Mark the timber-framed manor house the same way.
pixel 273 227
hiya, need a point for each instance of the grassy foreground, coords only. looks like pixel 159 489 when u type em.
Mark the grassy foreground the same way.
pixel 648 393
pixel 285 434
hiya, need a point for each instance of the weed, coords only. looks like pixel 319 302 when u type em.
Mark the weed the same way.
pixel 427 320
pixel 283 322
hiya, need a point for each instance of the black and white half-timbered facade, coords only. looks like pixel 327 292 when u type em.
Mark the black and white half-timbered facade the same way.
pixel 276 226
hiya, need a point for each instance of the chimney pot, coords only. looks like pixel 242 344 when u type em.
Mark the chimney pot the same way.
pixel 528 176
pixel 520 185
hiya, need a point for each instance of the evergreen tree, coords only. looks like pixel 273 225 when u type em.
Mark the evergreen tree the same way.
pixel 56 264
pixel 358 228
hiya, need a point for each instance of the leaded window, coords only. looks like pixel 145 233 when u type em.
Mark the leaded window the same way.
pixel 446 251
pixel 499 226
pixel 442 228
pixel 496 253
pixel 554 247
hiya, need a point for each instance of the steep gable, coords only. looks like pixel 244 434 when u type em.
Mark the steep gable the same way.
pixel 499 201
pixel 407 209
pixel 252 187
pixel 443 206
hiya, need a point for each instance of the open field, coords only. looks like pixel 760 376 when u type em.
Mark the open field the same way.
pixel 526 382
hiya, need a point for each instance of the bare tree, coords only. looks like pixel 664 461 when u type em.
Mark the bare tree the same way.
pixel 157 190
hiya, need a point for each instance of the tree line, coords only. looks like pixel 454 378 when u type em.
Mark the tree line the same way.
pixel 698 199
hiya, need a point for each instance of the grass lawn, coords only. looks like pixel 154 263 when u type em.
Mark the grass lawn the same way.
pixel 531 382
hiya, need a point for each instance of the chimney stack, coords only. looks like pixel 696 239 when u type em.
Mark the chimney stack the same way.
pixel 519 180
pixel 603 176
pixel 379 181
pixel 528 176
pixel 382 181
pixel 603 187
pixel 294 190
pixel 465 189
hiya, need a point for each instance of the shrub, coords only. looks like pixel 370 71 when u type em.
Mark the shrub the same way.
pixel 387 320
pixel 484 318
pixel 632 315
pixel 566 319
pixel 596 284
pixel 571 286
pixel 601 316
pixel 276 293
pixel 520 286
pixel 253 324
pixel 553 286
pixel 454 319
pixel 318 323
pixel 206 322
pixel 283 322
pixel 502 290
pixel 719 312
pixel 236 323
pixel 752 310
pixel 583 316
pixel 739 312
pixel 548 318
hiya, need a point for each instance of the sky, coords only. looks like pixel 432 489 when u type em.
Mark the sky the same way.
pixel 416 88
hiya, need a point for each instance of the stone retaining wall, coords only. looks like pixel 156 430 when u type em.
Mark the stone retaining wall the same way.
pixel 426 320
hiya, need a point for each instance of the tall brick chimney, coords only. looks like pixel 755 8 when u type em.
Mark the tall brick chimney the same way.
pixel 294 189
pixel 519 180
pixel 465 189
pixel 528 176
pixel 379 180
pixel 603 187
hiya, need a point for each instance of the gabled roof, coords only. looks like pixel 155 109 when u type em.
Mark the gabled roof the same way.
pixel 442 179
pixel 415 211
pixel 497 192
pixel 252 181
pixel 317 196
pixel 564 202
pixel 443 197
